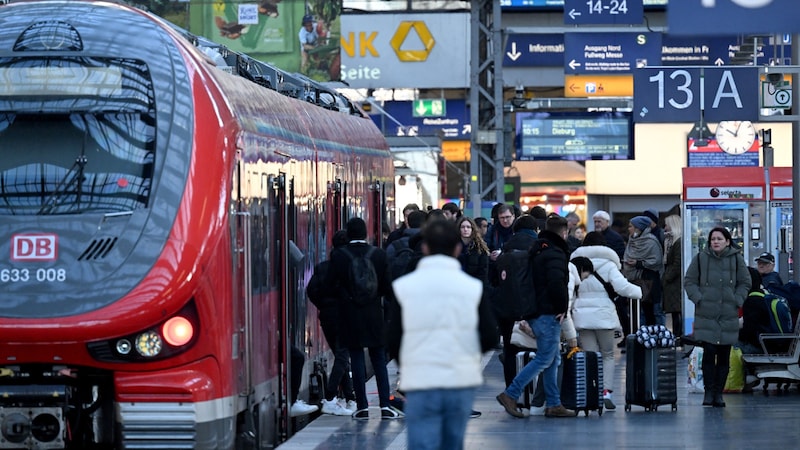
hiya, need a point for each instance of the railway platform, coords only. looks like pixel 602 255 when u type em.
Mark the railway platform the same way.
pixel 762 419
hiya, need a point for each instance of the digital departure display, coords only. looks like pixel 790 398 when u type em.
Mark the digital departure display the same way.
pixel 573 136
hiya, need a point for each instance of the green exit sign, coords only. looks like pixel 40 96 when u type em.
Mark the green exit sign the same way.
pixel 430 108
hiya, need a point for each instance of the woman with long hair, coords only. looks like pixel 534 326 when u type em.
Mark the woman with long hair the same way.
pixel 474 255
pixel 717 282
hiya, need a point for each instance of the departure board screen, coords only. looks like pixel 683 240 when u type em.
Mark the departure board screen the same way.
pixel 573 136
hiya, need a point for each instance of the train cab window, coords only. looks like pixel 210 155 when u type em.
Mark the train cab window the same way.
pixel 75 163
pixel 81 139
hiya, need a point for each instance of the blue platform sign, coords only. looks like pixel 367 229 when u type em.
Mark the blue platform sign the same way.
pixel 610 53
pixel 620 12
pixel 697 51
pixel 720 17
pixel 678 94
pixel 534 50
pixel 396 119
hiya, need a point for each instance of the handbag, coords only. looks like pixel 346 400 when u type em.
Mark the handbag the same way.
pixel 647 287
pixel 521 338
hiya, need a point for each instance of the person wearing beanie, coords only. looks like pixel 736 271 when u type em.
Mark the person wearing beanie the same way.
pixel 657 231
pixel 643 261
pixel 614 240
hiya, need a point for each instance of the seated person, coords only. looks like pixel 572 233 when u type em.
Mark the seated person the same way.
pixel 756 320
pixel 766 267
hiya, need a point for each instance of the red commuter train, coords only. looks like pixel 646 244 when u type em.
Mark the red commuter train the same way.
pixel 163 203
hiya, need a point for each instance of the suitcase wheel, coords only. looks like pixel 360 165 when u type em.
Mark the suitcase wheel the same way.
pixel 674 406
pixel 627 407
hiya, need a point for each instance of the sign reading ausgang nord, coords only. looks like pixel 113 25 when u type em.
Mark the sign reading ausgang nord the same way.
pixel 720 17
pixel 678 94
pixel 610 53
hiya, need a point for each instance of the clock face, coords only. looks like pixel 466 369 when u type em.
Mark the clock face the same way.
pixel 735 137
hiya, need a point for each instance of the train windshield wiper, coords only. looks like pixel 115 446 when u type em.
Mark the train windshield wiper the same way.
pixel 74 176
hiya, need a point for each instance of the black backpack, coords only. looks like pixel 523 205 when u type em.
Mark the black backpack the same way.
pixel 362 278
pixel 400 262
pixel 515 296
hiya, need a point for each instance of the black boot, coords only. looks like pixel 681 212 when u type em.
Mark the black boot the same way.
pixel 710 389
pixel 722 377
pixel 708 396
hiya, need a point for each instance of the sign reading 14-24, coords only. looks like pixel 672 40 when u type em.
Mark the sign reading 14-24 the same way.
pixel 679 94
pixel 603 12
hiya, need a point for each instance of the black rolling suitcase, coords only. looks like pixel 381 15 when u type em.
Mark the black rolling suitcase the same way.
pixel 523 358
pixel 650 376
pixel 582 382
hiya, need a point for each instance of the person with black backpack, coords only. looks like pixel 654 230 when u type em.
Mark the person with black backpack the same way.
pixel 328 312
pixel 550 281
pixel 358 276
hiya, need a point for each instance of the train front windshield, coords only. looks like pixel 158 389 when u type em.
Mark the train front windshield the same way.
pixel 77 135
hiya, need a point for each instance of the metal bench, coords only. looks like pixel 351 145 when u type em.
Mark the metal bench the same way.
pixel 777 366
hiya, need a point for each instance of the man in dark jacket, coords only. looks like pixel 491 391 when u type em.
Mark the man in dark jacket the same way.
pixel 550 277
pixel 327 305
pixel 524 236
pixel 361 323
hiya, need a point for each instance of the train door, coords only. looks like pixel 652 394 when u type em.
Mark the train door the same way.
pixel 241 286
pixel 280 262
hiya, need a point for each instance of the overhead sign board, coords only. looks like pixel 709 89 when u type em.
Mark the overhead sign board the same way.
pixel 558 4
pixel 678 94
pixel 588 86
pixel 610 53
pixel 399 118
pixel 534 50
pixel 619 12
pixel 719 17
pixel 429 108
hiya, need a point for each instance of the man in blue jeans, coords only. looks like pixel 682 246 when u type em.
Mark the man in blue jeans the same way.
pixel 550 278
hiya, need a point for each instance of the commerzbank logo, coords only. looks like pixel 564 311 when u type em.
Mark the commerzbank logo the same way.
pixel 402 34
pixel 411 42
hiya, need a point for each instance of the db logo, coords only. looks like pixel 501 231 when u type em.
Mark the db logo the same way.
pixel 34 247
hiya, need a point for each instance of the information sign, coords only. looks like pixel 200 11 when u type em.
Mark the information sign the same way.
pixel 719 17
pixel 603 12
pixel 610 53
pixel 678 94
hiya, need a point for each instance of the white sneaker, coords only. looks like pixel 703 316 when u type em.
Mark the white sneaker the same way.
pixel 536 411
pixel 351 405
pixel 301 408
pixel 333 407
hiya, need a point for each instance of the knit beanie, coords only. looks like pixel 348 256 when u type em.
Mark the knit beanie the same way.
pixel 641 222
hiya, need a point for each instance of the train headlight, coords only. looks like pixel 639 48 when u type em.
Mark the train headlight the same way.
pixel 177 331
pixel 149 344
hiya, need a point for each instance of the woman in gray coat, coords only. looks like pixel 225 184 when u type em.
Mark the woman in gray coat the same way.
pixel 717 282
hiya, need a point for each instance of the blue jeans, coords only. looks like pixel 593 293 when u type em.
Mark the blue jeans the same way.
pixel 377 356
pixel 548 333
pixel 437 418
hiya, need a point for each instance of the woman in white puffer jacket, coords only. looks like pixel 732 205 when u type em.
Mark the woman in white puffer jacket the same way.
pixel 594 313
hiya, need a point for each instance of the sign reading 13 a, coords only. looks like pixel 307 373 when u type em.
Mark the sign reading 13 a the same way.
pixel 679 94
